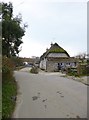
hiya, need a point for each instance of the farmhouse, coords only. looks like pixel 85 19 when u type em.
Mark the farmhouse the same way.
pixel 55 58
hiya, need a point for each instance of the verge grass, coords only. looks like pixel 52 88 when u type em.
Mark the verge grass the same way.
pixel 9 91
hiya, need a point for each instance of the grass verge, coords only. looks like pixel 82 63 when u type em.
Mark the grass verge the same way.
pixel 9 89
pixel 0 104
pixel 20 67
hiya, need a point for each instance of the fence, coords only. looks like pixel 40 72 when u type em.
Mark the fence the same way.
pixel 79 70
pixel 83 69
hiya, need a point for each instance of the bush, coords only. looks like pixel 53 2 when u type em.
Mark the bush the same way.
pixel 17 61
pixel 7 69
pixel 34 70
pixel 9 87
pixel 72 72
pixel 83 70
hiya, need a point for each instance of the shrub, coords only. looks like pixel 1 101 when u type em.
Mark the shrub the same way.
pixel 9 87
pixel 72 72
pixel 17 61
pixel 34 70
pixel 83 70
pixel 7 69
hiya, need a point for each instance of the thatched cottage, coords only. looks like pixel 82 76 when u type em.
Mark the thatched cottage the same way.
pixel 55 58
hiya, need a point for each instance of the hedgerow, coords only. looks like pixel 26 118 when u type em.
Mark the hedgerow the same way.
pixel 9 88
pixel 7 69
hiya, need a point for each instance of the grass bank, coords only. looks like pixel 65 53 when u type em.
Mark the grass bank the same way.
pixel 0 104
pixel 19 68
pixel 9 92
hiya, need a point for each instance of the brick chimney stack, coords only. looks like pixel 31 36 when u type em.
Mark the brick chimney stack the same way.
pixel 51 44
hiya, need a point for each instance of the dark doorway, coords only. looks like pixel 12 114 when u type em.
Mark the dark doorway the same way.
pixel 59 66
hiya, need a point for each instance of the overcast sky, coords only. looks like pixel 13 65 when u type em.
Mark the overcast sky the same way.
pixel 53 21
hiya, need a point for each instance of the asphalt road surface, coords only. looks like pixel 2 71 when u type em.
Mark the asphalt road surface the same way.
pixel 48 95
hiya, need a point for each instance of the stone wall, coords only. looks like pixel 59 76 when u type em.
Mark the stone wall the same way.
pixel 52 66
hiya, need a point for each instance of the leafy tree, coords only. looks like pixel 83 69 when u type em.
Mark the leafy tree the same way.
pixel 12 30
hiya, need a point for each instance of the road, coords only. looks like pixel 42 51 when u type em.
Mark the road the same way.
pixel 48 95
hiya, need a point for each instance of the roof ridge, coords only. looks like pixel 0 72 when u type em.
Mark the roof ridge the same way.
pixel 55 48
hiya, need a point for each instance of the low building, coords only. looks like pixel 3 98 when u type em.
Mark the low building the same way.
pixel 56 58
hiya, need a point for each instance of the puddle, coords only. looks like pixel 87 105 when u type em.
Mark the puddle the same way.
pixel 59 92
pixel 35 98
pixel 44 100
pixel 62 96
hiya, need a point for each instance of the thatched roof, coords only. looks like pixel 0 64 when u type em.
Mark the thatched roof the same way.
pixel 55 48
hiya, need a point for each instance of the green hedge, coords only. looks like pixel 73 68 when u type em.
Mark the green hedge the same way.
pixel 17 61
pixel 83 70
pixel 72 72
pixel 7 69
pixel 9 87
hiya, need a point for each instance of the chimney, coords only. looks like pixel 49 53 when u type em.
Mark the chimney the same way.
pixel 51 44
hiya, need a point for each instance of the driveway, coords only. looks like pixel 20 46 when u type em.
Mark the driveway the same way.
pixel 48 95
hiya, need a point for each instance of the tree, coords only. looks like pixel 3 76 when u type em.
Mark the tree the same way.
pixel 82 56
pixel 12 31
